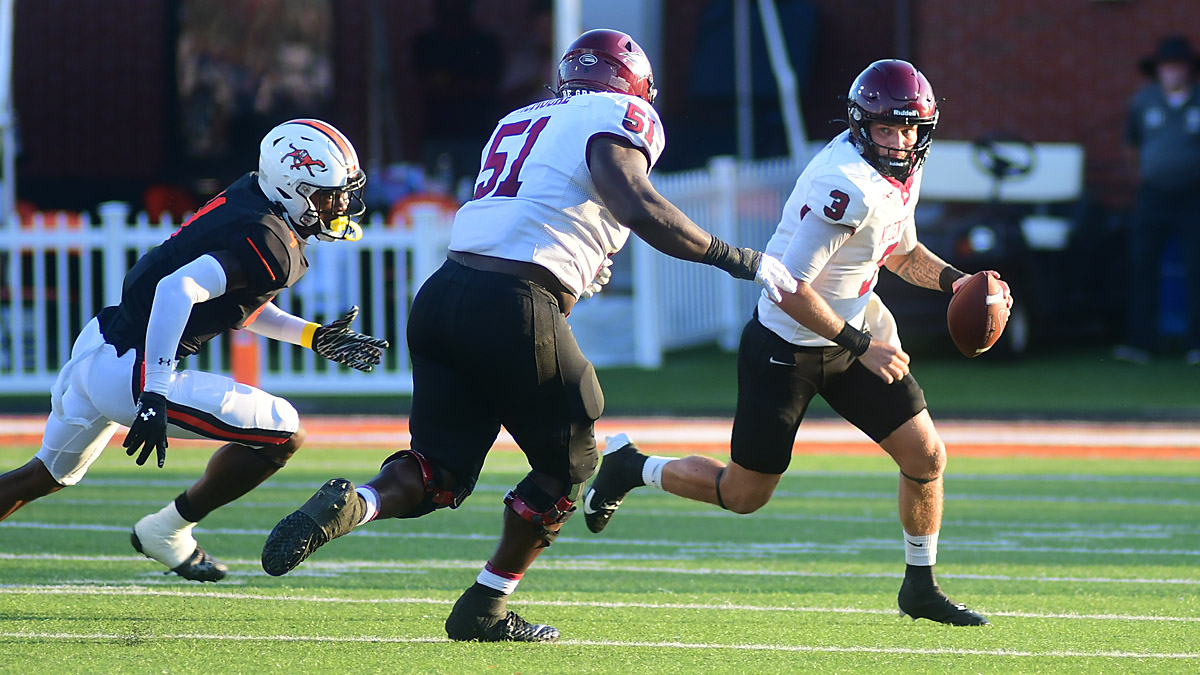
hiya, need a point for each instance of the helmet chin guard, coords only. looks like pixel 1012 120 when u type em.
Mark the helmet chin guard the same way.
pixel 311 171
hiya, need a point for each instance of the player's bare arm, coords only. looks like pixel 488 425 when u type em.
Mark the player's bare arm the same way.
pixel 922 267
pixel 809 309
pixel 620 172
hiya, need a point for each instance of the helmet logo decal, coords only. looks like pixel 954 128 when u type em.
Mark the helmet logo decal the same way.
pixel 588 60
pixel 636 62
pixel 301 160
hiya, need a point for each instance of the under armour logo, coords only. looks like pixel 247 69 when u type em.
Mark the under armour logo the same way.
pixel 148 414
pixel 164 362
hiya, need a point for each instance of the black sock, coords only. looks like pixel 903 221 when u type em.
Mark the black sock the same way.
pixel 919 576
pixel 484 601
pixel 185 508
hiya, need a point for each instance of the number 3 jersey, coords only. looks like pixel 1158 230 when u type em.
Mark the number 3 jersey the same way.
pixel 839 194
pixel 534 198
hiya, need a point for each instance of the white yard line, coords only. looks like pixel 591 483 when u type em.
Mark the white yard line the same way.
pixel 572 564
pixel 137 591
pixel 706 646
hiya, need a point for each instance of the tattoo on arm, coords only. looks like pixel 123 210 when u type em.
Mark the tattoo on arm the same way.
pixel 921 268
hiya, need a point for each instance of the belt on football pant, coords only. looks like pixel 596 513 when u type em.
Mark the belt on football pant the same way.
pixel 516 268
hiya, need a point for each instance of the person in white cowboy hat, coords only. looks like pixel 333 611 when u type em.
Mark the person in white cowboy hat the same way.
pixel 1163 130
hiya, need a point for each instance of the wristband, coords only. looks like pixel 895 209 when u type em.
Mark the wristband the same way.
pixel 853 340
pixel 740 263
pixel 306 335
pixel 948 276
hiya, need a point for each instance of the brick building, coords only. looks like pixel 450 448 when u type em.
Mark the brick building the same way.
pixel 95 83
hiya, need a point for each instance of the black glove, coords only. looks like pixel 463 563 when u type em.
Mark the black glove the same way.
pixel 336 342
pixel 149 428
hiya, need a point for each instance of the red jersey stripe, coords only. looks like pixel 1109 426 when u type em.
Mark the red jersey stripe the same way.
pixel 260 257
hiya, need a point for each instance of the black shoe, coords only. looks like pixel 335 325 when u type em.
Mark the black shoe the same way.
pixel 935 606
pixel 330 513
pixel 200 566
pixel 482 618
pixel 620 472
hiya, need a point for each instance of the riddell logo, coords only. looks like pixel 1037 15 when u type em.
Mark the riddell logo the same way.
pixel 302 160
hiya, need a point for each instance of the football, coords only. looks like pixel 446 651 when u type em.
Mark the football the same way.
pixel 977 314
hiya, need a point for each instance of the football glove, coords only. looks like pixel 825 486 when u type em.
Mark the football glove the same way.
pixel 336 342
pixel 597 284
pixel 773 275
pixel 149 429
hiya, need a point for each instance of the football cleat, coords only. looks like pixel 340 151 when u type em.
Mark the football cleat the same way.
pixel 333 511
pixel 620 472
pixel 478 618
pixel 935 606
pixel 167 538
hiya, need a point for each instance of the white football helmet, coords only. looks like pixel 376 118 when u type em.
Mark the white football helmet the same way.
pixel 310 169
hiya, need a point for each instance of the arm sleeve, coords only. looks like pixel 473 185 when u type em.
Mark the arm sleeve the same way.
pixel 276 324
pixel 198 281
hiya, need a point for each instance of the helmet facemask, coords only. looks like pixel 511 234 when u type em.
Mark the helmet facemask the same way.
pixel 882 157
pixel 334 210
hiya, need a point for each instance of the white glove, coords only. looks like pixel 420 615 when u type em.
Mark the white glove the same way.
pixel 773 275
pixel 597 284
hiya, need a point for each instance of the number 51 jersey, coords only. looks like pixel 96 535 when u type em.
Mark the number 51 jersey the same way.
pixel 534 197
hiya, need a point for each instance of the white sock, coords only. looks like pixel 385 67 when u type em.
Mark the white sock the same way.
pixel 652 470
pixel 920 549
pixel 371 497
pixel 505 582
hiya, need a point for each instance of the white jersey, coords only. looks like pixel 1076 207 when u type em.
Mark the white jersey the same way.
pixel 840 193
pixel 534 197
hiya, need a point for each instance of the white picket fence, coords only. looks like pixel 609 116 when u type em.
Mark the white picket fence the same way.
pixel 54 277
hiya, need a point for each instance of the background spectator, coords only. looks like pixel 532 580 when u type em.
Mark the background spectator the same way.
pixel 1163 129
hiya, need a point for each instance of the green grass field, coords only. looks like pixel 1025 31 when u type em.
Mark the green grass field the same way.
pixel 1082 565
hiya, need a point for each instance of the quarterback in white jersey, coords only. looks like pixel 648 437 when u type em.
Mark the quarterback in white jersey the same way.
pixel 840 224
pixel 561 185
pixel 850 214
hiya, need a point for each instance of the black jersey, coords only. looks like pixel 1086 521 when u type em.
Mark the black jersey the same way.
pixel 239 220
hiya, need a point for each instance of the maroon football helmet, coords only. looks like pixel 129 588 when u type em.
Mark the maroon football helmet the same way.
pixel 606 60
pixel 894 92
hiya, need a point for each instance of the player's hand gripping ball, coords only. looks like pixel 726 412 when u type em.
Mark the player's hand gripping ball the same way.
pixel 977 314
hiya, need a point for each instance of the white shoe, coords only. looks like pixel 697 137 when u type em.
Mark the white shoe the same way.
pixel 167 537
